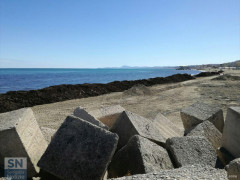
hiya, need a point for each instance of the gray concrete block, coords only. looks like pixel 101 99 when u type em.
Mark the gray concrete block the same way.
pixel 79 150
pixel 83 114
pixel 190 150
pixel 231 132
pixel 195 172
pixel 199 112
pixel 233 169
pixel 20 136
pixel 166 127
pixel 108 114
pixel 129 124
pixel 139 156
pixel 48 133
pixel 208 130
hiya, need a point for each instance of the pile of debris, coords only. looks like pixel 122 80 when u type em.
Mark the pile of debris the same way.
pixel 117 144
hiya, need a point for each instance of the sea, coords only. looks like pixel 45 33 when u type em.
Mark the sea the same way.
pixel 15 79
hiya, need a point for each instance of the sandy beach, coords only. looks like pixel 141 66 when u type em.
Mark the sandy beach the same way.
pixel 167 99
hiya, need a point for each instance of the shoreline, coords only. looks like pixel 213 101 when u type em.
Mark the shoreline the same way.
pixel 14 100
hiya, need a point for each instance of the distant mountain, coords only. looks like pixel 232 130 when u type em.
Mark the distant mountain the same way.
pixel 142 67
pixel 234 64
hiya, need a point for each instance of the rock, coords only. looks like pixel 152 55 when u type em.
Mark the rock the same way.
pixel 195 172
pixel 79 150
pixel 129 124
pixel 48 133
pixel 208 130
pixel 139 156
pixel 20 136
pixel 81 113
pixel 233 169
pixel 231 132
pixel 166 127
pixel 199 112
pixel 191 150
pixel 108 114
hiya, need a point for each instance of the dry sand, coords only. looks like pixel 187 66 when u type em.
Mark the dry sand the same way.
pixel 168 99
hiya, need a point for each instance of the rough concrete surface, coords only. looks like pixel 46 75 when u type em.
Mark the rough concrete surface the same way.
pixel 231 132
pixel 190 150
pixel 233 169
pixel 20 136
pixel 194 172
pixel 166 127
pixel 48 133
pixel 208 130
pixel 108 114
pixel 129 124
pixel 79 150
pixel 83 114
pixel 199 112
pixel 139 156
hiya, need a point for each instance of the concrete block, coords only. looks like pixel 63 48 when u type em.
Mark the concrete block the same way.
pixel 231 132
pixel 166 127
pixel 208 130
pixel 194 172
pixel 190 150
pixel 129 124
pixel 233 169
pixel 139 156
pixel 108 114
pixel 83 114
pixel 224 156
pixel 20 136
pixel 79 150
pixel 199 112
pixel 48 133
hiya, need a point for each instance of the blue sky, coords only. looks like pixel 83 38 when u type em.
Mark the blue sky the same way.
pixel 109 33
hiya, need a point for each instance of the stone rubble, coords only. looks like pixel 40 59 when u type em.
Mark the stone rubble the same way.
pixel 135 147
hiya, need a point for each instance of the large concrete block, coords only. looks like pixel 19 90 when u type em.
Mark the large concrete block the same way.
pixel 191 150
pixel 20 136
pixel 195 172
pixel 233 169
pixel 208 130
pixel 129 124
pixel 83 114
pixel 224 156
pixel 139 156
pixel 231 132
pixel 166 127
pixel 199 112
pixel 79 150
pixel 48 133
pixel 108 114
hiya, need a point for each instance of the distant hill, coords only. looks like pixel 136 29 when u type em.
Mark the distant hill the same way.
pixel 233 65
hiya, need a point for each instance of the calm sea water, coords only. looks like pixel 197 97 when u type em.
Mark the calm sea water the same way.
pixel 29 79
